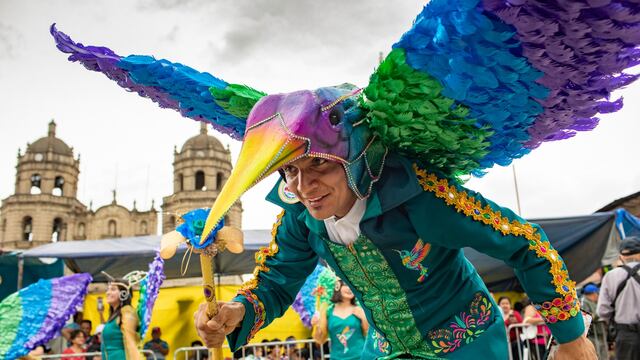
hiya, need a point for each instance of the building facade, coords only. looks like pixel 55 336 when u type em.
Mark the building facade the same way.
pixel 200 169
pixel 44 207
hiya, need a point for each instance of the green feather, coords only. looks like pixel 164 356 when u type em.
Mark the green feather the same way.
pixel 406 110
pixel 236 99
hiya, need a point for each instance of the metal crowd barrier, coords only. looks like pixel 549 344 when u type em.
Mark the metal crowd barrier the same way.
pixel 524 346
pixel 598 336
pixel 199 352
pixel 89 355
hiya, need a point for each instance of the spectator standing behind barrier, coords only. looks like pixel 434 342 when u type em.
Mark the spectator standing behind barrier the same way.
pixel 536 343
pixel 159 347
pixel 92 344
pixel 511 317
pixel 198 354
pixel 75 325
pixel 598 330
pixel 77 339
pixel 620 300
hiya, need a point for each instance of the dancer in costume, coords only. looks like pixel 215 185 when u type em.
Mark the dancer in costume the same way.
pixel 126 326
pixel 36 314
pixel 371 177
pixel 344 322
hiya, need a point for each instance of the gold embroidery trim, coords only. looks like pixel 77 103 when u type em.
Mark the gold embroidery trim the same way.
pixel 262 255
pixel 473 208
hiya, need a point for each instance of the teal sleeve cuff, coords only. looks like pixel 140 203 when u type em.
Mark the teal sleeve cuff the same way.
pixel 254 319
pixel 567 330
pixel 238 337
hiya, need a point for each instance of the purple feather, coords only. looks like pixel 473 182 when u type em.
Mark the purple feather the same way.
pixel 582 47
pixel 298 306
pixel 68 294
pixel 149 290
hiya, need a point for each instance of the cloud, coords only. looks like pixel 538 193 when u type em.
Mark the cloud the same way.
pixel 309 27
pixel 9 40
pixel 172 34
pixel 150 5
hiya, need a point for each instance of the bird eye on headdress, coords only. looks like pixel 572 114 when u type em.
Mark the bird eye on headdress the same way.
pixel 336 115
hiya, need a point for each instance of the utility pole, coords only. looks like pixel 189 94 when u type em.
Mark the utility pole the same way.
pixel 515 183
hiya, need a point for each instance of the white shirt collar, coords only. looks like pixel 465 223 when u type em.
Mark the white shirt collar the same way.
pixel 346 229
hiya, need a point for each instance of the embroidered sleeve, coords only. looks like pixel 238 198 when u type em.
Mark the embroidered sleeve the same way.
pixel 281 269
pixel 500 233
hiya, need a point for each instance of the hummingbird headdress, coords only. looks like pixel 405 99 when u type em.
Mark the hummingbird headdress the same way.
pixel 471 84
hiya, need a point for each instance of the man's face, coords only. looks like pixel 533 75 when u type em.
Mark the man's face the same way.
pixel 155 335
pixel 86 328
pixel 321 186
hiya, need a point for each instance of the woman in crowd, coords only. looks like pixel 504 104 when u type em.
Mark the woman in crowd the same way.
pixel 344 322
pixel 120 336
pixel 536 343
pixel 511 317
pixel 77 339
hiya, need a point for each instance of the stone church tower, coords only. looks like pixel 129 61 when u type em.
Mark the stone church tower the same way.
pixel 45 207
pixel 200 169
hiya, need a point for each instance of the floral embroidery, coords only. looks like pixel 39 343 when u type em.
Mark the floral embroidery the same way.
pixel 368 271
pixel 412 260
pixel 473 208
pixel 559 309
pixel 262 255
pixel 464 328
pixel 258 307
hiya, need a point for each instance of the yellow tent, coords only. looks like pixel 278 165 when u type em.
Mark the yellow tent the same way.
pixel 173 313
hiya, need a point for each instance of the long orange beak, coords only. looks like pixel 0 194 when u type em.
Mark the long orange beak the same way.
pixel 266 147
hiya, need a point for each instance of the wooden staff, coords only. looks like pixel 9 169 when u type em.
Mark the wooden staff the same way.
pixel 228 238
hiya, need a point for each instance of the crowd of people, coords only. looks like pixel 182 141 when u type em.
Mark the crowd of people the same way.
pixel 613 307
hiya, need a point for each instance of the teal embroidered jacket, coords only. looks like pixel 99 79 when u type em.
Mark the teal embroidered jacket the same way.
pixel 421 296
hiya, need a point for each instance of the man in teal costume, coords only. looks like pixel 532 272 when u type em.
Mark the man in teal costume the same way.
pixel 371 175
pixel 394 234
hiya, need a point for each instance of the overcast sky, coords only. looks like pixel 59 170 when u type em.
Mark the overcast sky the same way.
pixel 127 142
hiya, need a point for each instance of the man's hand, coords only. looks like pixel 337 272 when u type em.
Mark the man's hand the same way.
pixel 213 331
pixel 580 348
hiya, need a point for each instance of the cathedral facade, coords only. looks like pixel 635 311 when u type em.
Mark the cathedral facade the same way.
pixel 44 207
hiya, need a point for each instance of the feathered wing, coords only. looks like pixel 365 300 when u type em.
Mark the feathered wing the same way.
pixel 476 83
pixel 196 95
pixel 149 290
pixel 318 288
pixel 34 315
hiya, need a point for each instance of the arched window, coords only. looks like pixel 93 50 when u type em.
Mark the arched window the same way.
pixel 112 228
pixel 219 180
pixel 226 220
pixel 58 185
pixel 180 182
pixel 27 228
pixel 56 233
pixel 144 228
pixel 200 180
pixel 171 223
pixel 80 232
pixel 36 181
